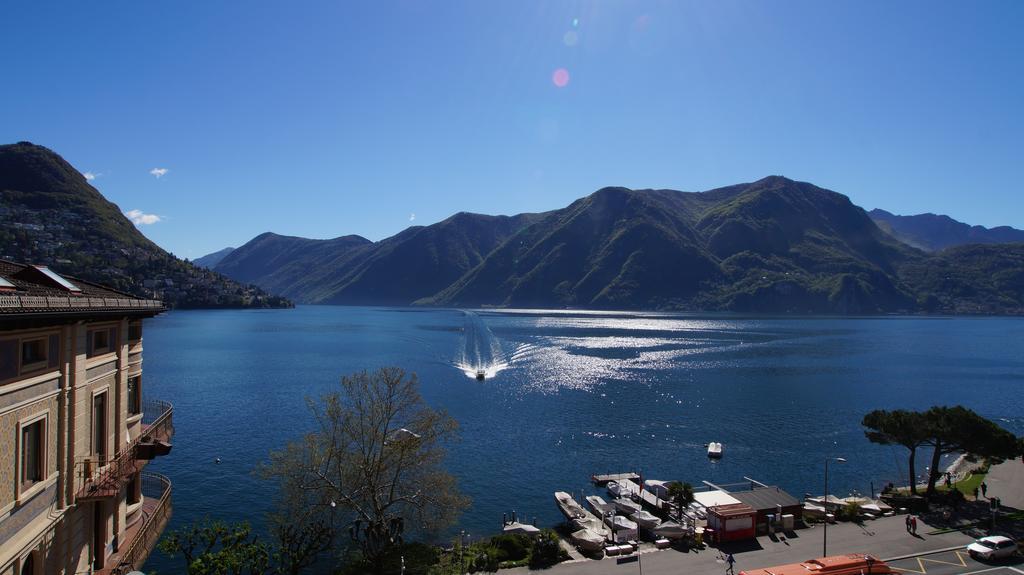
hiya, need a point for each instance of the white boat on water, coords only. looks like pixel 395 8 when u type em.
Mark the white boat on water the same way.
pixel 658 487
pixel 568 506
pixel 671 530
pixel 599 506
pixel 715 450
pixel 587 540
pixel 626 506
pixel 616 490
pixel 645 520
pixel 622 529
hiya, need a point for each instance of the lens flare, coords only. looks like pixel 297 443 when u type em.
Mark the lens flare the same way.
pixel 560 77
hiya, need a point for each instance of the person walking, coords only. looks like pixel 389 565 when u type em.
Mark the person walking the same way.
pixel 975 492
pixel 906 521
pixel 984 489
pixel 913 524
pixel 732 562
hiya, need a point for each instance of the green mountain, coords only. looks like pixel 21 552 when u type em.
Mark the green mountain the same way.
pixel 774 245
pixel 210 261
pixel 932 232
pixel 50 214
pixel 413 264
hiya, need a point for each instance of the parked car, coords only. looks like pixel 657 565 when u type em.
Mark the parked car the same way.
pixel 992 547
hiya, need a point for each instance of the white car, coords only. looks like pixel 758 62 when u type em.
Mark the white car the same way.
pixel 992 547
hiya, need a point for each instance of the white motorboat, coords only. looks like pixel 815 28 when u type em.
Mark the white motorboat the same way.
pixel 645 520
pixel 626 506
pixel 671 530
pixel 658 487
pixel 599 506
pixel 715 450
pixel 622 529
pixel 587 540
pixel 568 506
pixel 615 489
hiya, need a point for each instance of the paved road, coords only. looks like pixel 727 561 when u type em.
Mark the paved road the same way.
pixel 882 538
pixel 957 563
pixel 1006 481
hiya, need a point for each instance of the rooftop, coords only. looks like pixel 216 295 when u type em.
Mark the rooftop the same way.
pixel 763 498
pixel 35 289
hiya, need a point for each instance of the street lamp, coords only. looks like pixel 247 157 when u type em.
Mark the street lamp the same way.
pixel 824 539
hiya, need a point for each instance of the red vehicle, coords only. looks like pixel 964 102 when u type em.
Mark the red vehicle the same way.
pixel 852 564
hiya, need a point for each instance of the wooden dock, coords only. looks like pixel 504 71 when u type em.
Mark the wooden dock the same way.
pixel 608 477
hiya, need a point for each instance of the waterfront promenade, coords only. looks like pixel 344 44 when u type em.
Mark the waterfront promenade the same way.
pixel 883 538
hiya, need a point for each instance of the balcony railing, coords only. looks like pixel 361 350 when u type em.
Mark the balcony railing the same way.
pixel 103 476
pixel 156 509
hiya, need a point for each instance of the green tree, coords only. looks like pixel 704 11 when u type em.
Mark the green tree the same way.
pixel 681 495
pixel 961 430
pixel 899 427
pixel 212 547
pixel 373 463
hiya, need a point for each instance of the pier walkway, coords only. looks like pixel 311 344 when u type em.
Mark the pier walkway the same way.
pixel 884 538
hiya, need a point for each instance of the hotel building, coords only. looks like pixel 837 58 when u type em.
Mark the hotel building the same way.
pixel 75 432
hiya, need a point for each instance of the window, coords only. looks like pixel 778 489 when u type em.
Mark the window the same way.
pixel 99 427
pixel 134 395
pixel 32 457
pixel 33 354
pixel 99 341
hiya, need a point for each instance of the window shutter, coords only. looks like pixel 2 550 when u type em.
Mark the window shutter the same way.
pixel 8 359
pixel 53 351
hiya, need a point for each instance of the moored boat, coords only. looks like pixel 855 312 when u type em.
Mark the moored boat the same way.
pixel 587 540
pixel 626 506
pixel 622 528
pixel 599 505
pixel 645 520
pixel 670 530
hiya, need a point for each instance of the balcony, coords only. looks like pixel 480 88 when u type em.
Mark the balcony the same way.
pixel 102 477
pixel 141 535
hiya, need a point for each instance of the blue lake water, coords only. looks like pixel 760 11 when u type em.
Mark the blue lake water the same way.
pixel 572 394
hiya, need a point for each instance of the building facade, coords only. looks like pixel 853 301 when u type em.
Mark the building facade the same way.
pixel 75 431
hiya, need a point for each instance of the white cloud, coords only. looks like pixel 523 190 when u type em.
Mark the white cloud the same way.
pixel 140 219
pixel 91 176
pixel 159 172
pixel 412 217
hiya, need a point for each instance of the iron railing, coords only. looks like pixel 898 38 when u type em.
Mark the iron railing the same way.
pixel 27 302
pixel 154 487
pixel 104 476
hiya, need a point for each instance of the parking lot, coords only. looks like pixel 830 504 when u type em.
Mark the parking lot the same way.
pixel 957 563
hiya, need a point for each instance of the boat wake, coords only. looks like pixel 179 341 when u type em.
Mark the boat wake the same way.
pixel 481 356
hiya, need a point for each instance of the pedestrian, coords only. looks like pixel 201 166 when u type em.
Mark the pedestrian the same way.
pixel 913 524
pixel 975 492
pixel 906 520
pixel 731 561
pixel 984 489
pixel 949 480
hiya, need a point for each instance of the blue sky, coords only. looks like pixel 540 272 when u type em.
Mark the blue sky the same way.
pixel 329 118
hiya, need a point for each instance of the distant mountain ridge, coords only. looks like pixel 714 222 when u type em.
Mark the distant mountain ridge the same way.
pixel 50 214
pixel 774 245
pixel 931 232
pixel 210 261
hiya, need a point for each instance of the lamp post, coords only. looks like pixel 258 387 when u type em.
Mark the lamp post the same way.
pixel 824 539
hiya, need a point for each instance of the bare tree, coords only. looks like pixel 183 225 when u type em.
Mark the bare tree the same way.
pixel 373 465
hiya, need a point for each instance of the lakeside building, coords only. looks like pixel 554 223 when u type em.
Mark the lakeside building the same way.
pixel 75 433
